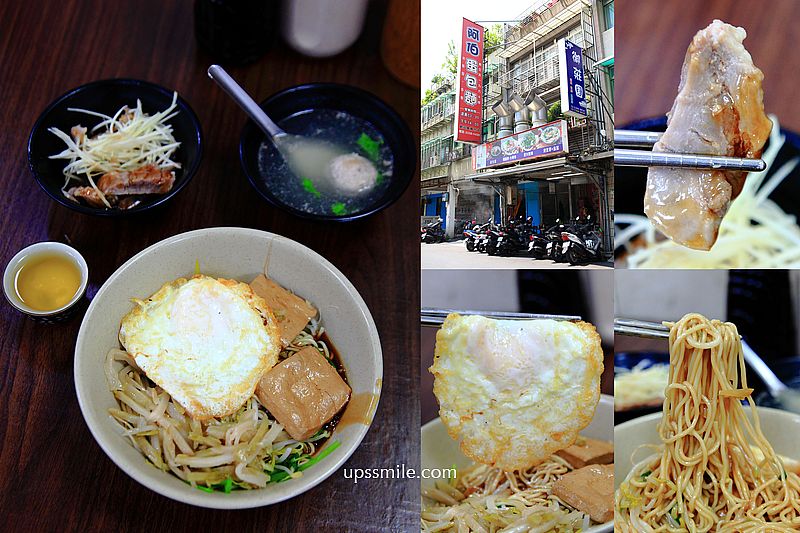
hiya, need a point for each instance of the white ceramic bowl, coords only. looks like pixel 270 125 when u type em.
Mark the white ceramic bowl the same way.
pixel 239 254
pixel 440 451
pixel 47 247
pixel 781 428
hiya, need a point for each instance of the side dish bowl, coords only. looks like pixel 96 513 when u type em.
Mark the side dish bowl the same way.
pixel 240 254
pixel 352 101
pixel 108 96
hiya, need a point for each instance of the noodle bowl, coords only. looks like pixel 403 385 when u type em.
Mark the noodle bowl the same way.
pixel 245 450
pixel 715 470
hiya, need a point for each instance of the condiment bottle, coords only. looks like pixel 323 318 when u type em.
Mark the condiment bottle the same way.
pixel 322 28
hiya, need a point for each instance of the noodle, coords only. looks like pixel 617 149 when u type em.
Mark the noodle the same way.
pixel 486 499
pixel 245 450
pixel 707 476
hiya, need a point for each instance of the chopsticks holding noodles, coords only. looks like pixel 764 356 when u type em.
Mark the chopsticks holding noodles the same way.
pixel 645 158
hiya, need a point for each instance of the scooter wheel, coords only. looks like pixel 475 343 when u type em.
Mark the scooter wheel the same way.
pixel 470 246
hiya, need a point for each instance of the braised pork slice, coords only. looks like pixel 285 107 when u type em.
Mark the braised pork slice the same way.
pixel 147 179
pixel 88 195
pixel 718 111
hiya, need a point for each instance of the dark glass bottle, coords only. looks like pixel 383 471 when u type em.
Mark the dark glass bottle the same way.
pixel 236 32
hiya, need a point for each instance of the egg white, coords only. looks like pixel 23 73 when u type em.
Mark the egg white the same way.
pixel 513 392
pixel 205 341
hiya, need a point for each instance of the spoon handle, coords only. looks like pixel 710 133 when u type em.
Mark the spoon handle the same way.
pixel 240 96
pixel 766 374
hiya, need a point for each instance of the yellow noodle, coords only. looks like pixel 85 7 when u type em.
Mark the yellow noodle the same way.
pixel 706 476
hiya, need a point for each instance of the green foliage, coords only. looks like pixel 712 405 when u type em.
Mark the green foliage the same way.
pixel 554 112
pixel 493 37
pixel 450 65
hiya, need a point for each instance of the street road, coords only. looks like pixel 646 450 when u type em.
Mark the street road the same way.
pixel 455 255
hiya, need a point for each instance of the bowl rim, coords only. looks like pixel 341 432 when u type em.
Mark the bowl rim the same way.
pixel 244 499
pixel 405 133
pixel 189 172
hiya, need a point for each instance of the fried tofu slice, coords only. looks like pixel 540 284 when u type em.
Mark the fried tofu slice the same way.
pixel 292 312
pixel 588 451
pixel 590 490
pixel 303 392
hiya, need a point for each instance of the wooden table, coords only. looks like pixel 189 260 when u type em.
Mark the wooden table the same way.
pixel 651 38
pixel 53 476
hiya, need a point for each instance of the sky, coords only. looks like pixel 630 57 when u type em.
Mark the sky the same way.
pixel 441 23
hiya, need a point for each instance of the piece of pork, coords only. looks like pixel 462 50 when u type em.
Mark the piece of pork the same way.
pixel 718 111
pixel 88 195
pixel 147 179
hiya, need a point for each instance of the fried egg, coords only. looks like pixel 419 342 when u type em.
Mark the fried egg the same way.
pixel 513 392
pixel 205 341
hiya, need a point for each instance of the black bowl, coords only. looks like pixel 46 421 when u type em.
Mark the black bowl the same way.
pixel 353 101
pixel 108 96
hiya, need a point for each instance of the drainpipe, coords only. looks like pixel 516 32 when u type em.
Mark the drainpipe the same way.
pixel 450 217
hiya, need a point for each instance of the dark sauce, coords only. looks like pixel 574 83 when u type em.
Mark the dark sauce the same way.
pixel 336 360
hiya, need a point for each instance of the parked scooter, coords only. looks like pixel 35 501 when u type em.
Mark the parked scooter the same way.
pixel 481 244
pixel 515 236
pixel 433 231
pixel 473 233
pixel 547 245
pixel 582 244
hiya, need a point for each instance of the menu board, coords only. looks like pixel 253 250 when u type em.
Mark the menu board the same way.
pixel 547 140
pixel 573 86
pixel 469 85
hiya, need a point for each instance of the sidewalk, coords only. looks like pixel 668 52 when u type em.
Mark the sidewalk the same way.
pixel 455 255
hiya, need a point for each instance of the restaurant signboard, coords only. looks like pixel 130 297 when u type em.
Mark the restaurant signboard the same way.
pixel 547 140
pixel 469 85
pixel 571 75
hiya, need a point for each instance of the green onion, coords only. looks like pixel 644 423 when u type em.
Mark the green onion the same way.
pixel 322 455
pixel 645 474
pixel 308 185
pixel 338 209
pixel 371 147
pixel 205 489
pixel 379 178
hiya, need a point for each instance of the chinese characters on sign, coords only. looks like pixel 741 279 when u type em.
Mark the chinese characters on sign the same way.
pixel 573 88
pixel 547 140
pixel 469 85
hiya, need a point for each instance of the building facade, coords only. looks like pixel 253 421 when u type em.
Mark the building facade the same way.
pixel 526 67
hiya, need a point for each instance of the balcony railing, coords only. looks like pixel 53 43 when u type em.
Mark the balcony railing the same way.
pixel 435 160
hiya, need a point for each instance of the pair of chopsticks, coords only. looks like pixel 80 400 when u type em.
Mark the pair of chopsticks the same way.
pixel 640 328
pixel 644 158
pixel 431 316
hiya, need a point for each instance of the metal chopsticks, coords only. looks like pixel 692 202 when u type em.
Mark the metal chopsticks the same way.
pixel 640 328
pixel 645 158
pixel 431 316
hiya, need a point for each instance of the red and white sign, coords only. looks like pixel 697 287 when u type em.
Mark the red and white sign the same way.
pixel 469 85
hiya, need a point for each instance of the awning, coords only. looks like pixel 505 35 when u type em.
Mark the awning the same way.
pixel 606 62
pixel 554 164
